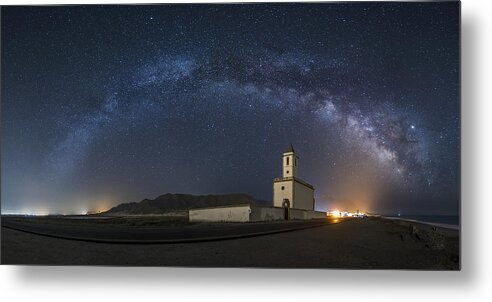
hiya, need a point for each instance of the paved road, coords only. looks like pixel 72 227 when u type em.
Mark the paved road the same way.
pixel 159 234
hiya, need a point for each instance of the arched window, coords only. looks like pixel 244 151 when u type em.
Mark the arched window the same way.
pixel 287 160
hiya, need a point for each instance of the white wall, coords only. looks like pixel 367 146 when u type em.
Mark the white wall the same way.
pixel 305 214
pixel 279 194
pixel 266 214
pixel 225 214
pixel 303 197
pixel 247 213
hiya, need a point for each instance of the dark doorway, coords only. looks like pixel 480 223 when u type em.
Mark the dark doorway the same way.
pixel 286 206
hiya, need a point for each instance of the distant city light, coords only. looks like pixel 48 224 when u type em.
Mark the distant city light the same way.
pixel 337 213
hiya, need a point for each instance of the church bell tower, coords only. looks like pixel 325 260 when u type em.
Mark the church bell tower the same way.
pixel 290 161
pixel 289 191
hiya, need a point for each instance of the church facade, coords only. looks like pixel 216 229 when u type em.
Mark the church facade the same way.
pixel 289 191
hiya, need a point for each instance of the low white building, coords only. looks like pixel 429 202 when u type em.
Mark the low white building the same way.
pixel 250 213
pixel 289 191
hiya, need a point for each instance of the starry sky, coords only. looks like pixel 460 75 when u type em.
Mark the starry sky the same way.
pixel 110 104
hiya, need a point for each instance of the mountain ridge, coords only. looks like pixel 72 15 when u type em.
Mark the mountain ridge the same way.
pixel 181 202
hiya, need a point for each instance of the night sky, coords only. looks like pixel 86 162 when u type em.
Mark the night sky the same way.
pixel 110 104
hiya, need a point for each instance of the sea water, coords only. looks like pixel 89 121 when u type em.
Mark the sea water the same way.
pixel 446 219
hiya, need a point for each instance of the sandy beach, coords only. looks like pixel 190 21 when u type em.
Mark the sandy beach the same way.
pixel 372 243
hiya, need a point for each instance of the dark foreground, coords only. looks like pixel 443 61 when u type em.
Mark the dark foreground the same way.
pixel 359 243
pixel 145 230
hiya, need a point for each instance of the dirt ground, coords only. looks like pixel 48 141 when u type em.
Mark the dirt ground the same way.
pixel 360 243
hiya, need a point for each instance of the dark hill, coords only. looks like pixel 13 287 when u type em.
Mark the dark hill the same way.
pixel 180 202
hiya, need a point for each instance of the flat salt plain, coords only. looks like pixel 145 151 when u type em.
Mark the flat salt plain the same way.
pixel 372 243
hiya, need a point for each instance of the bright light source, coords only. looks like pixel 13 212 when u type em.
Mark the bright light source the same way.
pixel 337 213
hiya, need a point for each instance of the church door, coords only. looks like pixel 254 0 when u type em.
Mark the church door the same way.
pixel 286 206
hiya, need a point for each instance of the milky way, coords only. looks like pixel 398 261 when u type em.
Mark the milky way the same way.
pixel 102 105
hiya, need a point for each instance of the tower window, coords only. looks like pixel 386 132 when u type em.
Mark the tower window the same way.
pixel 287 161
pixel 283 188
pixel 287 172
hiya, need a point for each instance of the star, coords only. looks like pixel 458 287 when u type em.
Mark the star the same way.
pixel 199 104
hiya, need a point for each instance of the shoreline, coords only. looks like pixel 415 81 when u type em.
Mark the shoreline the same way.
pixel 434 224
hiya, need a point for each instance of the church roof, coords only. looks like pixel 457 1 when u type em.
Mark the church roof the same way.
pixel 290 149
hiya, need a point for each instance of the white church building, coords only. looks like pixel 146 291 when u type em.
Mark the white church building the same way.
pixel 289 190
pixel 293 198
